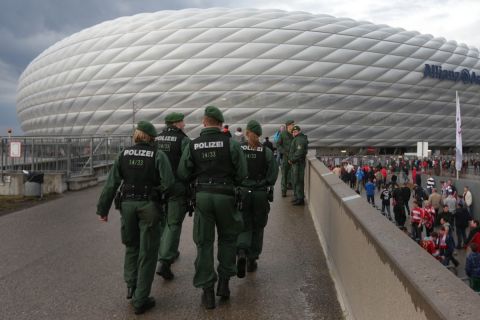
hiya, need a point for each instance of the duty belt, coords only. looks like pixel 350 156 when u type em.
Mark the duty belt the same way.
pixel 136 197
pixel 214 181
pixel 226 189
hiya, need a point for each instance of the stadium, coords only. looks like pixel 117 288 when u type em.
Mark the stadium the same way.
pixel 346 82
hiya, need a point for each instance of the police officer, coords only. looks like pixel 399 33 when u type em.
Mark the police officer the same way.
pixel 217 164
pixel 257 191
pixel 297 155
pixel 284 145
pixel 146 175
pixel 172 141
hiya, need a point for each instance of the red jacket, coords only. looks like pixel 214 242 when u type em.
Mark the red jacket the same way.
pixel 428 216
pixel 384 172
pixel 476 239
pixel 417 215
pixel 429 245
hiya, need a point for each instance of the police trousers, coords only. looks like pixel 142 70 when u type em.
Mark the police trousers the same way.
pixel 215 210
pixel 177 207
pixel 298 176
pixel 140 232
pixel 255 216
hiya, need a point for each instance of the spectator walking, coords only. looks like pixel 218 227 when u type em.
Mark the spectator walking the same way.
pixel 428 218
pixel 451 202
pixel 472 267
pixel 378 179
pixel 446 246
pixel 474 232
pixel 359 175
pixel 240 137
pixel 416 219
pixel 467 197
pixel 462 218
pixel 386 195
pixel 398 206
pixel 226 131
pixel 268 144
pixel 406 193
pixel 435 200
pixel 430 184
pixel 370 189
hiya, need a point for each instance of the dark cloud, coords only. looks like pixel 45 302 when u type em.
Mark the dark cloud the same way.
pixel 27 27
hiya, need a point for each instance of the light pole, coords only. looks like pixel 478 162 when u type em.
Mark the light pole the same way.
pixel 133 116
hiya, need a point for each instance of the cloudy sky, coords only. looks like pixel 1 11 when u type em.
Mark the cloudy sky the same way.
pixel 27 27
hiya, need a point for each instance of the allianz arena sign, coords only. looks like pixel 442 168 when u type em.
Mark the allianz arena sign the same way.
pixel 436 72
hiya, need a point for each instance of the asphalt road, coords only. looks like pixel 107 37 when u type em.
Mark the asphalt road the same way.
pixel 57 261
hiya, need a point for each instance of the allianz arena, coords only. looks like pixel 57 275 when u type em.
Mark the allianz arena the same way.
pixel 346 82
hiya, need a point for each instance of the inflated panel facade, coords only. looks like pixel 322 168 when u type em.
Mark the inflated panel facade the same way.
pixel 345 82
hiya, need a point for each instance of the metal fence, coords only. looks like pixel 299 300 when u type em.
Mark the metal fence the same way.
pixel 471 169
pixel 75 156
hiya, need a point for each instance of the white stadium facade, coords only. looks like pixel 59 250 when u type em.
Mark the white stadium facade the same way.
pixel 345 82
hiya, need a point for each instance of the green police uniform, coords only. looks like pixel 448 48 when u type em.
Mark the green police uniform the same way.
pixel 298 153
pixel 284 144
pixel 172 141
pixel 217 164
pixel 262 174
pixel 145 173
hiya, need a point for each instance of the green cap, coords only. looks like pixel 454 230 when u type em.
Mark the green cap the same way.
pixel 215 113
pixel 289 122
pixel 296 128
pixel 174 117
pixel 147 127
pixel 254 127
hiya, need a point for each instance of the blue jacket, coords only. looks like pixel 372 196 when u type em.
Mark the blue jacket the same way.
pixel 359 174
pixel 472 266
pixel 370 188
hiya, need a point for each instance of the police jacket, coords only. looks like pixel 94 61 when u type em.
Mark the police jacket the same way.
pixel 213 156
pixel 298 148
pixel 141 166
pixel 262 167
pixel 172 141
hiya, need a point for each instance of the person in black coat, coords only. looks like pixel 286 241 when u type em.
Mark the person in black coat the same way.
pixel 406 193
pixel 268 144
pixel 462 218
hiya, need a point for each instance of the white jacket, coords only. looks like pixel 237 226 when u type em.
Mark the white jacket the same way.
pixel 468 198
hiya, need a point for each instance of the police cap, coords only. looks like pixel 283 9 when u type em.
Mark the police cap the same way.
pixel 147 127
pixel 215 113
pixel 174 117
pixel 254 127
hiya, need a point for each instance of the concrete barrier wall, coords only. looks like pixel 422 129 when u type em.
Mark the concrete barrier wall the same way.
pixel 380 273
pixel 13 184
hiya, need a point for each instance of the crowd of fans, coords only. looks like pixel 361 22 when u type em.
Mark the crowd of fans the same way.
pixel 440 214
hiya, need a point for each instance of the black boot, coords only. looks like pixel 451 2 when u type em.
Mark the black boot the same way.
pixel 130 292
pixel 251 265
pixel 165 271
pixel 222 289
pixel 241 263
pixel 208 298
pixel 149 304
pixel 299 202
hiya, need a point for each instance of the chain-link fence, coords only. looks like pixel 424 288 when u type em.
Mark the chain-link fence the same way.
pixel 76 156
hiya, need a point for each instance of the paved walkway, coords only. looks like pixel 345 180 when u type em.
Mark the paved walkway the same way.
pixel 59 262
